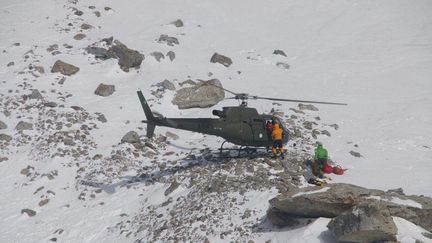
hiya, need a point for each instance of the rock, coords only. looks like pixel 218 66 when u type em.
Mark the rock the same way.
pixel 101 117
pixel 166 84
pixel 307 125
pixel 86 26
pixel 29 212
pixel 369 222
pixel 64 68
pixel 279 52
pixel 187 82
pixel 201 95
pixel 171 55
pixel 3 125
pixel 174 185
pixel 3 159
pixel 97 13
pixel 39 69
pixel 157 55
pixel 178 23
pixel 335 126
pixel 50 104
pixel 303 107
pixel 218 58
pixel 108 40
pixel 52 48
pixel 78 12
pixel 355 154
pixel 22 125
pixel 283 65
pixel 171 135
pixel 280 219
pixel 35 95
pixel 5 137
pixel 105 90
pixel 169 40
pixel 131 137
pixel 43 202
pixel 397 191
pixel 79 36
pixel 10 64
pixel 99 53
pixel 338 198
pixel 128 58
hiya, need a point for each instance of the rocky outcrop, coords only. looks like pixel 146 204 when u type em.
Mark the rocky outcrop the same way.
pixel 99 52
pixel 22 125
pixel 169 40
pixel 338 198
pixel 131 137
pixel 127 58
pixel 279 52
pixel 369 222
pixel 218 58
pixel 64 68
pixel 3 125
pixel 105 90
pixel 201 95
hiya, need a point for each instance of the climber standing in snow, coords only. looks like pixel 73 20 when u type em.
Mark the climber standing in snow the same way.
pixel 277 135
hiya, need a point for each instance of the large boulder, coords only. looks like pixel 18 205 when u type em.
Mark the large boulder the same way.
pixel 338 198
pixel 201 95
pixel 64 68
pixel 368 222
pixel 131 137
pixel 127 58
pixel 218 58
pixel 105 90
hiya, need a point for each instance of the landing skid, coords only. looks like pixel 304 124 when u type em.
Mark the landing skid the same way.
pixel 242 151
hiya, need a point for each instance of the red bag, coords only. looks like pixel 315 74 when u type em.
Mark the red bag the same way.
pixel 338 170
pixel 328 169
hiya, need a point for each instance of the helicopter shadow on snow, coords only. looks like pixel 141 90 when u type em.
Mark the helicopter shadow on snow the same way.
pixel 265 226
pixel 202 158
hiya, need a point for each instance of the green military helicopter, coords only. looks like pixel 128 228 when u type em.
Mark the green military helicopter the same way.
pixel 240 125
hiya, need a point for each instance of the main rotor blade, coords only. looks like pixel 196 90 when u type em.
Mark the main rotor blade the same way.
pixel 229 91
pixel 299 101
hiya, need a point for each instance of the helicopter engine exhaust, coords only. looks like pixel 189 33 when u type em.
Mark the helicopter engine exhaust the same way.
pixel 218 113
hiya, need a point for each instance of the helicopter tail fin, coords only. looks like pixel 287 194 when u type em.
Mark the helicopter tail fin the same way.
pixel 149 115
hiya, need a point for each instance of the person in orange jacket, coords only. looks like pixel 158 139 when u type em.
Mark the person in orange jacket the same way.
pixel 277 135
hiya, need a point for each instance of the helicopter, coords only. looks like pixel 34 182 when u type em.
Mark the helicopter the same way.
pixel 240 125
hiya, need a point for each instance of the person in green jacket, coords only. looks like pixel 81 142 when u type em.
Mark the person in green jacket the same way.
pixel 320 160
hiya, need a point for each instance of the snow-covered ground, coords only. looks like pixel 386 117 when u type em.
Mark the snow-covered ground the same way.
pixel 374 55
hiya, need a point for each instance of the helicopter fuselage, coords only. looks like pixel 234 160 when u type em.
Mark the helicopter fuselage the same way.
pixel 237 124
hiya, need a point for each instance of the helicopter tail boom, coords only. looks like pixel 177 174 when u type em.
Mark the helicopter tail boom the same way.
pixel 149 115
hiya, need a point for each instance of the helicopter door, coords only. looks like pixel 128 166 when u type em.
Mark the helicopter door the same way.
pixel 258 128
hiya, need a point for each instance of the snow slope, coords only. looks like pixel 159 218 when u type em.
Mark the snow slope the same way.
pixel 374 55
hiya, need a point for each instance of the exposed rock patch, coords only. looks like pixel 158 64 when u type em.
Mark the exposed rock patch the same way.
pixel 369 222
pixel 131 137
pixel 279 52
pixel 178 23
pixel 171 55
pixel 127 58
pixel 157 55
pixel 218 58
pixel 64 68
pixel 22 125
pixel 169 40
pixel 105 90
pixel 79 36
pixel 3 125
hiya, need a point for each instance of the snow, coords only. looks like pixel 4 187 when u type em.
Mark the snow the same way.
pixel 374 55
pixel 324 189
pixel 400 201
